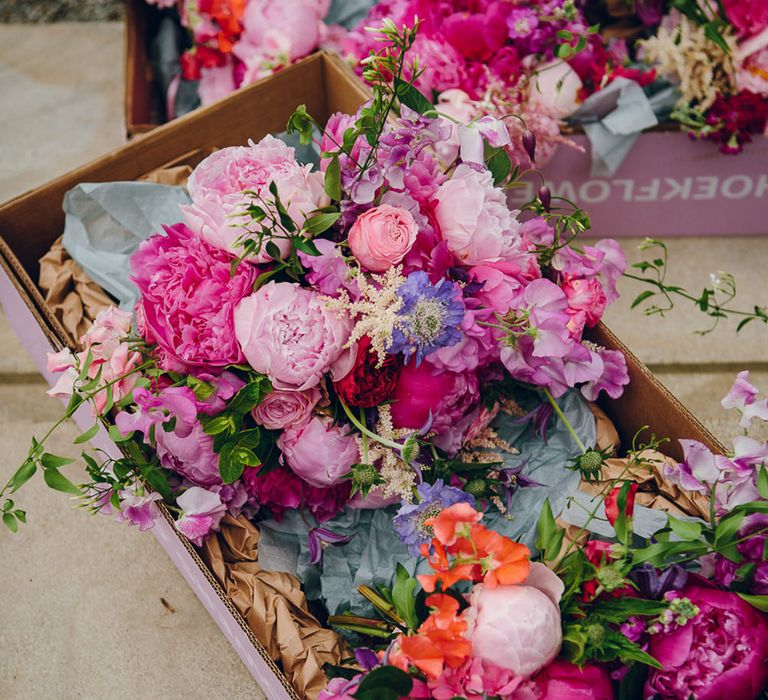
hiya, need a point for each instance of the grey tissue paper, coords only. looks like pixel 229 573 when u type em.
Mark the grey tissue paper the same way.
pixel 106 222
pixel 613 119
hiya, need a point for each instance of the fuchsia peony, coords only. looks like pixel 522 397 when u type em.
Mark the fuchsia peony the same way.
pixel 721 653
pixel 319 451
pixel 188 295
pixel 517 627
pixel 382 236
pixel 218 183
pixel 563 681
pixel 474 218
pixel 288 333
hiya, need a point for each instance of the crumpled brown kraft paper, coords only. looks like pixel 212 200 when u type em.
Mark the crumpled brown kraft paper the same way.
pixel 606 435
pixel 274 607
pixel 73 297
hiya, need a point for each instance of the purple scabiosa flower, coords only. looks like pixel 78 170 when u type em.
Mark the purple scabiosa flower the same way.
pixel 429 318
pixel 433 498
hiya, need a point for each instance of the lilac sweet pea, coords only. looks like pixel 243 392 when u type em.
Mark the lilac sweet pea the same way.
pixel 202 511
pixel 743 397
pixel 136 508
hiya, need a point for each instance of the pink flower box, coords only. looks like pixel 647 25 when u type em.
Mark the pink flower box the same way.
pixel 31 223
pixel 668 185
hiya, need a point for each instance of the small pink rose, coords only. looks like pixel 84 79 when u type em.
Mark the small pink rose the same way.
pixel 281 409
pixel 382 236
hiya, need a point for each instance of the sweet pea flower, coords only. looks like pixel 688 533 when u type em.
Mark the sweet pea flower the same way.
pixel 341 688
pixel 136 507
pixel 288 333
pixel 611 378
pixel 517 627
pixel 281 409
pixel 743 397
pixel 319 451
pixel 381 237
pixel 472 135
pixel 218 183
pixel 328 273
pixel 720 653
pixel 202 511
pixel 474 219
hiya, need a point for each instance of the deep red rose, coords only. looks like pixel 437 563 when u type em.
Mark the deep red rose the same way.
pixel 612 511
pixel 367 385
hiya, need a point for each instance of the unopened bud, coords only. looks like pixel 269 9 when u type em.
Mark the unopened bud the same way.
pixel 529 144
pixel 545 197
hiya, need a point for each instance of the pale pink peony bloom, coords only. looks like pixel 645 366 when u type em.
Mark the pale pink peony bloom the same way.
pixel 517 628
pixel 474 218
pixel 381 237
pixel 288 333
pixel 282 409
pixel 202 511
pixel 218 183
pixel 319 451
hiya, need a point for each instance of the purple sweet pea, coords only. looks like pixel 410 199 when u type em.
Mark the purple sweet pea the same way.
pixel 318 539
pixel 653 585
pixel 612 379
pixel 136 508
pixel 202 511
pixel 743 397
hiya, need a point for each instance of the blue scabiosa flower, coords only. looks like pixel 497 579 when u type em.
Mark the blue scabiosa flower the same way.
pixel 409 523
pixel 429 318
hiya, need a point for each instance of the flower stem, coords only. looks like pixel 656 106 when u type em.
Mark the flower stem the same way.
pixel 566 422
pixel 356 422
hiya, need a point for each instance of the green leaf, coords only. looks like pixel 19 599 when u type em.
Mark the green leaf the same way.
pixel 640 298
pixel 305 245
pixel 664 553
pixel 549 535
pixel 116 436
pixel 384 683
pixel 499 165
pixel 21 515
pixel 219 424
pixel 632 686
pixel 50 461
pixel 57 481
pixel 87 435
pixel 619 609
pixel 728 527
pixel 247 398
pixel 230 468
pixel 411 97
pixel 756 601
pixel 319 224
pixel 332 180
pixel 762 482
pixel 403 597
pixel 7 505
pixel 686 530
pixel 10 522
pixel 23 474
pixel 273 251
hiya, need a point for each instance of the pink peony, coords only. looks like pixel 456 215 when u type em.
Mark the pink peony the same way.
pixel 287 333
pixel 748 16
pixel 474 679
pixel 443 66
pixel 282 409
pixel 187 299
pixel 320 452
pixel 382 236
pixel 425 394
pixel 719 654
pixel 112 359
pixel 218 183
pixel 478 36
pixel 202 512
pixel 474 218
pixel 561 680
pixel 517 628
pixel 281 28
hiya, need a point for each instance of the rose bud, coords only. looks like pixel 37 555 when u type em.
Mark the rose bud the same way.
pixel 529 144
pixel 545 197
pixel 612 510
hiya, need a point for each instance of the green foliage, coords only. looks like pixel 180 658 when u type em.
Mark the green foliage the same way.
pixel 411 97
pixel 549 535
pixel 403 597
pixel 384 683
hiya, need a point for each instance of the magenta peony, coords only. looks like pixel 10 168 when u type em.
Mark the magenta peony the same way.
pixel 721 653
pixel 287 333
pixel 382 236
pixel 319 451
pixel 218 183
pixel 563 681
pixel 282 409
pixel 474 218
pixel 187 299
pixel 517 627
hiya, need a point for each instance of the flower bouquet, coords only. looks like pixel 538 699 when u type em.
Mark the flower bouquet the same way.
pixel 334 371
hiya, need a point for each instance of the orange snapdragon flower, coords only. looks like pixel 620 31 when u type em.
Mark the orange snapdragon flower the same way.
pixel 440 640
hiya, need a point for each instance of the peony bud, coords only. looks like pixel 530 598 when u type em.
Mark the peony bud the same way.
pixel 529 144
pixel 545 197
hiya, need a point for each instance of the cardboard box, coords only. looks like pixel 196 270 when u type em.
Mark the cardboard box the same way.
pixel 30 224
pixel 142 103
pixel 668 185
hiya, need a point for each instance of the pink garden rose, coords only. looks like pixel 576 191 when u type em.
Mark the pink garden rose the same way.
pixel 586 301
pixel 281 409
pixel 288 333
pixel 319 451
pixel 187 299
pixel 517 627
pixel 382 236
pixel 474 218
pixel 721 653
pixel 202 512
pixel 217 184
